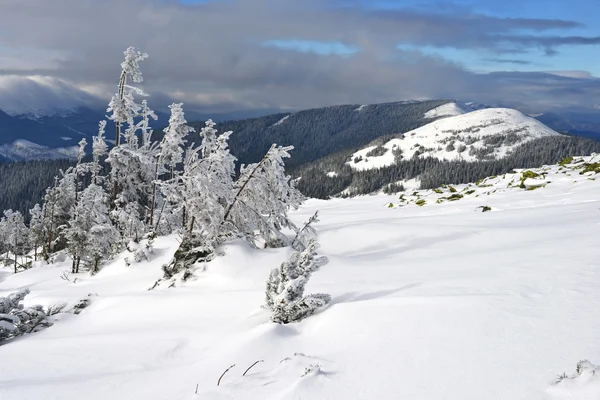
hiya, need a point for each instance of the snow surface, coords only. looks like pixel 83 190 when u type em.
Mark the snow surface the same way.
pixel 360 108
pixel 282 120
pixel 434 302
pixel 472 127
pixel 25 150
pixel 446 110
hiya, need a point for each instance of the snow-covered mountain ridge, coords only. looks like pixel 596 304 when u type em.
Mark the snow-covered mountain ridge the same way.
pixel 482 134
pixel 433 300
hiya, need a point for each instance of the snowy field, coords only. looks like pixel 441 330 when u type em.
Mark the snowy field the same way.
pixel 440 301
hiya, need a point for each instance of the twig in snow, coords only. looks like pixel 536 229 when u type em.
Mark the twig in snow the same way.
pixel 222 375
pixel 197 384
pixel 250 367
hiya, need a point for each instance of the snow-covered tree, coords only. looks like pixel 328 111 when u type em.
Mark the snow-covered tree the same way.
pixel 17 320
pixel 37 228
pixel 15 234
pixel 264 196
pixel 122 106
pixel 132 175
pixel 99 150
pixel 285 297
pixel 59 205
pixel 169 156
pixel 91 237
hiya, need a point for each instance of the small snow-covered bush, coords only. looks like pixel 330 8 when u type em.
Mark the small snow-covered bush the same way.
pixel 583 384
pixel 17 320
pixel 285 287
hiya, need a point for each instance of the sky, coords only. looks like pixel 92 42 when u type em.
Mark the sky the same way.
pixel 232 55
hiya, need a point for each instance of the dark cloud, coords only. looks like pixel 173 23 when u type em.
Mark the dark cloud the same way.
pixel 210 55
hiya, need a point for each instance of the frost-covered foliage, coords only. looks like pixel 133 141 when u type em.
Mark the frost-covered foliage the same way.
pixel 122 106
pixel 14 236
pixel 265 195
pixel 285 297
pixel 91 236
pixel 17 320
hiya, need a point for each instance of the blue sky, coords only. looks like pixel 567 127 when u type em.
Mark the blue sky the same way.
pixel 223 55
pixel 570 57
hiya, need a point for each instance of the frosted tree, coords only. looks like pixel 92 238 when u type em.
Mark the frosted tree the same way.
pixel 99 150
pixel 80 168
pixel 254 207
pixel 58 209
pixel 169 156
pixel 285 297
pixel 16 235
pixel 132 176
pixel 264 196
pixel 37 229
pixel 122 106
pixel 17 320
pixel 203 190
pixel 91 237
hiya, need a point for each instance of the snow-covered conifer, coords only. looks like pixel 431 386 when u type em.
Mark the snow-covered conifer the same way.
pixel 37 228
pixel 99 150
pixel 15 234
pixel 170 155
pixel 122 106
pixel 264 197
pixel 91 237
pixel 17 320
pixel 285 297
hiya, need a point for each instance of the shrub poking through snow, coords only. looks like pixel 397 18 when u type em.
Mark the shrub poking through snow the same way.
pixel 583 384
pixel 17 320
pixel 285 287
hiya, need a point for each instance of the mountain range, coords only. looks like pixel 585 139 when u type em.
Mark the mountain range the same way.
pixel 51 133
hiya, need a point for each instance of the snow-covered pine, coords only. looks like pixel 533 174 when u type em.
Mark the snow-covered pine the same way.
pixel 169 156
pixel 265 195
pixel 132 177
pixel 37 229
pixel 91 236
pixel 58 208
pixel 122 106
pixel 17 320
pixel 285 297
pixel 99 150
pixel 15 236
pixel 203 191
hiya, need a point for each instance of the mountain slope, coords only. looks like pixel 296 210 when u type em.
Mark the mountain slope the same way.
pixel 439 301
pixel 320 132
pixel 490 133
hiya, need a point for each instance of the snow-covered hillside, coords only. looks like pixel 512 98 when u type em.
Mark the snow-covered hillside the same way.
pixel 446 110
pixel 431 300
pixel 482 134
pixel 25 150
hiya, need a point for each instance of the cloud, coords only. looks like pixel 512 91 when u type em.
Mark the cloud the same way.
pixel 507 61
pixel 213 55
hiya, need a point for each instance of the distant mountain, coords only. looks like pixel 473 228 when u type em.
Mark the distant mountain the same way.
pixel 320 132
pixel 484 134
pixel 461 147
pixel 576 123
